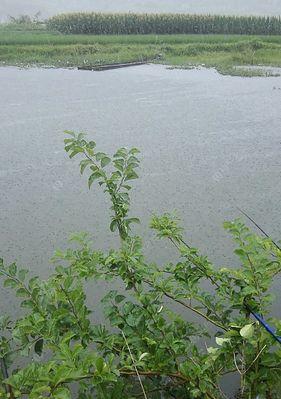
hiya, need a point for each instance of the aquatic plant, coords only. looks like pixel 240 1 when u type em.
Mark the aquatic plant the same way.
pixel 167 336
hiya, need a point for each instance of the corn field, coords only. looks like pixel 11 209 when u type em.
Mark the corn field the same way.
pixel 129 23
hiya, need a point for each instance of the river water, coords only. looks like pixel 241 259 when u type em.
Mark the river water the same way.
pixel 209 144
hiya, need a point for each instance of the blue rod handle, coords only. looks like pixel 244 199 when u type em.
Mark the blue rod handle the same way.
pixel 265 325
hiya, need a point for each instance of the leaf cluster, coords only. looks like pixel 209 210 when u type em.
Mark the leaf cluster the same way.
pixel 173 330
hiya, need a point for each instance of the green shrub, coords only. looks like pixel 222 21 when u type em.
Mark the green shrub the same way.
pixel 150 350
pixel 105 23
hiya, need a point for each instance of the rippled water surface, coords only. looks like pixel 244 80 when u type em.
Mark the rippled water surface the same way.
pixel 209 143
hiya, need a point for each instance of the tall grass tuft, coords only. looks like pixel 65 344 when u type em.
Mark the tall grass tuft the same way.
pixel 129 23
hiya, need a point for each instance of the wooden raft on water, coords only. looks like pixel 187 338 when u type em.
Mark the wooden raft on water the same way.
pixel 109 66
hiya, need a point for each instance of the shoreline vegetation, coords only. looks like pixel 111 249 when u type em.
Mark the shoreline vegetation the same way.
pixel 36 43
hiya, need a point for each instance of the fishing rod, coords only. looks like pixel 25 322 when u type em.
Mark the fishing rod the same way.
pixel 267 327
pixel 258 317
pixel 259 227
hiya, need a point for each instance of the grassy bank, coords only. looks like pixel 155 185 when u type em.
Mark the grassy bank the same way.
pixel 224 52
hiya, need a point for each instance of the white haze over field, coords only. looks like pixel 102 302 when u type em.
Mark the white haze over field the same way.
pixel 51 7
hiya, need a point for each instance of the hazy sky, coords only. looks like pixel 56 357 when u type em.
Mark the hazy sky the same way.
pixel 50 7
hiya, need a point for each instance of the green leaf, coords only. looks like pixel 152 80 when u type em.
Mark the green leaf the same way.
pixel 143 355
pixel 91 144
pixel 220 341
pixel 131 175
pixel 119 298
pixel 94 168
pixel 133 220
pixel 33 282
pixel 68 147
pixel 21 292
pixel 247 331
pixel 240 252
pixel 131 320
pixel 61 393
pixel 133 160
pixel 10 283
pixel 121 153
pixel 38 347
pixel 119 164
pixel 76 151
pixel 196 393
pixel 212 350
pixel 84 164
pixel 22 274
pixel 70 132
pixel 134 151
pixel 99 364
pixel 90 152
pixel 67 141
pixel 100 155
pixel 67 337
pixel 113 225
pixel 105 161
pixel 25 351
pixel 94 176
pixel 13 269
pixel 27 303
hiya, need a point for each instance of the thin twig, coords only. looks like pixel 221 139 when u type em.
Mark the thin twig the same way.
pixel 164 388
pixel 190 308
pixel 255 359
pixel 5 374
pixel 72 307
pixel 11 352
pixel 133 361
pixel 123 177
pixel 195 263
pixel 236 365
pixel 154 374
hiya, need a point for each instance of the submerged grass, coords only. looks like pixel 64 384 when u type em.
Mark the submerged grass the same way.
pixel 223 52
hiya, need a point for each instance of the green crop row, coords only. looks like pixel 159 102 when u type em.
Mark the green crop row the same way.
pixel 129 23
